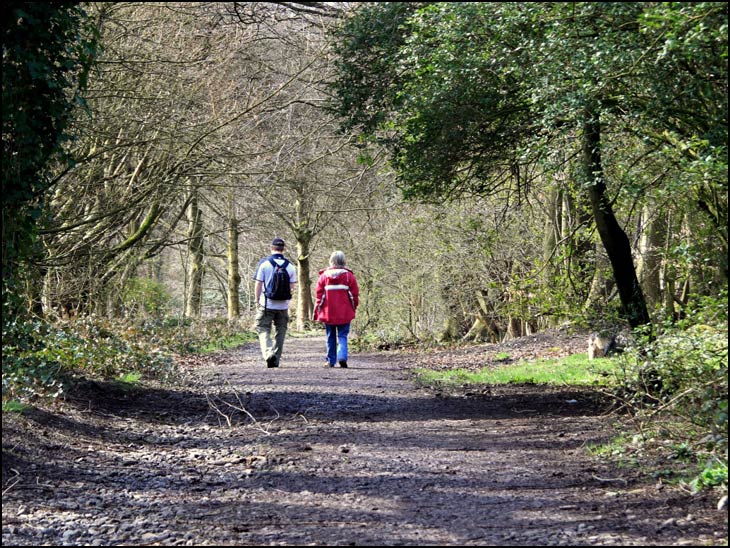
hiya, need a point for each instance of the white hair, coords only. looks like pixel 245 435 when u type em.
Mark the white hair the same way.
pixel 337 258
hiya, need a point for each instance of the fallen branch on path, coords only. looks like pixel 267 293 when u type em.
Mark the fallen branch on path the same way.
pixel 610 480
pixel 240 407
pixel 15 481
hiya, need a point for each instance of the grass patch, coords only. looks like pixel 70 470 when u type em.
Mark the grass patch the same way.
pixel 130 378
pixel 14 406
pixel 616 446
pixel 575 370
pixel 128 382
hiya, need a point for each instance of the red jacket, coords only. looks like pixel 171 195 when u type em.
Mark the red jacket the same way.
pixel 337 296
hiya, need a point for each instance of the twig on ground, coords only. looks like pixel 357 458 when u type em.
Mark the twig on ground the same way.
pixel 240 407
pixel 610 480
pixel 15 481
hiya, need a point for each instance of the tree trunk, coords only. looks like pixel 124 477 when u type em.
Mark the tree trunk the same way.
pixel 612 235
pixel 450 330
pixel 668 275
pixel 195 251
pixel 481 331
pixel 577 247
pixel 551 235
pixel 651 245
pixel 305 306
pixel 234 276
pixel 514 328
pixel 303 234
pixel 551 238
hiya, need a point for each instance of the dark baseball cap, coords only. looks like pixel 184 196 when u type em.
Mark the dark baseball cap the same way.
pixel 277 242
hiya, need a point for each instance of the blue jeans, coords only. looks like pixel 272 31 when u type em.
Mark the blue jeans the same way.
pixel 337 342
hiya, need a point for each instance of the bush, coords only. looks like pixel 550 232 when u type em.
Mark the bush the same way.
pixel 27 369
pixel 145 297
pixel 40 359
pixel 713 475
pixel 687 371
pixel 681 378
pixel 184 335
pixel 380 340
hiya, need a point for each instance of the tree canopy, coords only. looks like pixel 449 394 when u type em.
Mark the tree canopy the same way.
pixel 48 50
pixel 471 98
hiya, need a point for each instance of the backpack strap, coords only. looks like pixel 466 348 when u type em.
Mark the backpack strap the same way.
pixel 277 265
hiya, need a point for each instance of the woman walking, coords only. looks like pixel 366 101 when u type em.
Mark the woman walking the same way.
pixel 337 299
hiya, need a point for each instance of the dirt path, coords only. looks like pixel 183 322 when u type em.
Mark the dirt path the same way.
pixel 307 455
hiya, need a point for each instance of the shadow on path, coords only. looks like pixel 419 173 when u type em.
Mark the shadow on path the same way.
pixel 244 455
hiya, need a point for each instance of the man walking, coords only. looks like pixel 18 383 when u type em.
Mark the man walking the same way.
pixel 275 280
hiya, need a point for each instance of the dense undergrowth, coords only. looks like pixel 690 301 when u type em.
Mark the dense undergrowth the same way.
pixel 675 388
pixel 41 360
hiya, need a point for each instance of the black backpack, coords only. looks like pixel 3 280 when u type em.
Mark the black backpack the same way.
pixel 279 286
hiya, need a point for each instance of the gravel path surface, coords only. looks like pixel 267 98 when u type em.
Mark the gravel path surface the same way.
pixel 240 454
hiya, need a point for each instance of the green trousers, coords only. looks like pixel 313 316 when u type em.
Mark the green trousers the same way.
pixel 265 319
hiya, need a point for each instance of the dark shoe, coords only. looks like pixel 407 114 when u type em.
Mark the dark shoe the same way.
pixel 327 365
pixel 271 361
pixel 343 363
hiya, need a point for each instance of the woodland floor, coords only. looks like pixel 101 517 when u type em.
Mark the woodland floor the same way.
pixel 239 454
